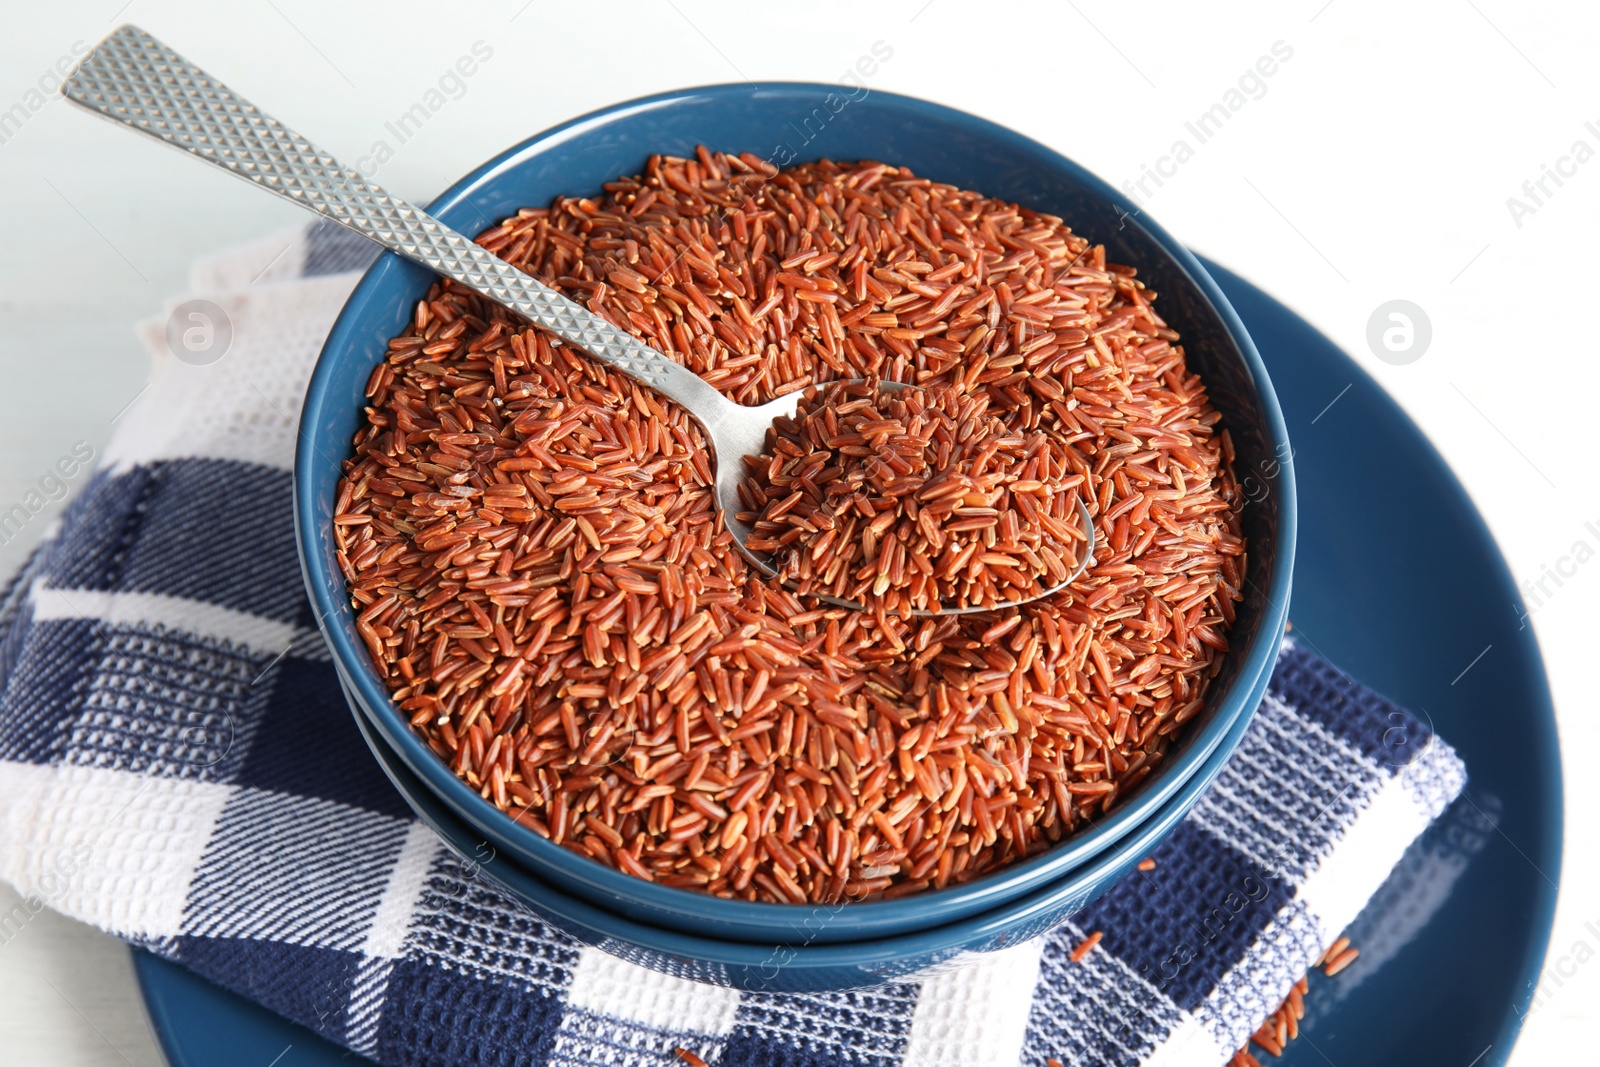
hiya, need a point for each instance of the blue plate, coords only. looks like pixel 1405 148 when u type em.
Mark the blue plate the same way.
pixel 1403 604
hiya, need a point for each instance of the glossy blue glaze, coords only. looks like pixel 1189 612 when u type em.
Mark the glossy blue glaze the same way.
pixel 935 141
pixel 1390 613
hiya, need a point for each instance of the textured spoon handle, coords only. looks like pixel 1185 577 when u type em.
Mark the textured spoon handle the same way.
pixel 134 79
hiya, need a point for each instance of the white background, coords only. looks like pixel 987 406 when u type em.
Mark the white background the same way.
pixel 1376 166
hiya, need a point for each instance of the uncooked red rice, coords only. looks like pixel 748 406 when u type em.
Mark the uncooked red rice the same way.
pixel 1085 947
pixel 542 579
pixel 1283 1025
pixel 912 500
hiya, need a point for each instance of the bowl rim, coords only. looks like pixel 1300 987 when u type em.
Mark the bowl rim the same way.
pixel 368 690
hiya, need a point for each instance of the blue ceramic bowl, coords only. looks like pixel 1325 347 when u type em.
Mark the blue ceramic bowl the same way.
pixel 813 965
pixel 935 141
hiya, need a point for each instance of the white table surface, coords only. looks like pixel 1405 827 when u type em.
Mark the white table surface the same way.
pixel 1376 165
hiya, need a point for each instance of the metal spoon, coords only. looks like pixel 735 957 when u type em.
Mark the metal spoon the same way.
pixel 134 79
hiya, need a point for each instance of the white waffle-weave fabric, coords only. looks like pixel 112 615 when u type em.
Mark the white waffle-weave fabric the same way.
pixel 160 670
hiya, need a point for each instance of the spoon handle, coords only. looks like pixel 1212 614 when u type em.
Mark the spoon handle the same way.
pixel 136 80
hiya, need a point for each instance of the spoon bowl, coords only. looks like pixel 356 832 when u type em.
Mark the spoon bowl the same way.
pixel 740 430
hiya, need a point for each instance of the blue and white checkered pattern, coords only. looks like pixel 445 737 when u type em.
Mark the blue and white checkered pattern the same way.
pixel 178 767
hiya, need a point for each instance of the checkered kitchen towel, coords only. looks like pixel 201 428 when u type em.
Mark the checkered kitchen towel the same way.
pixel 160 674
